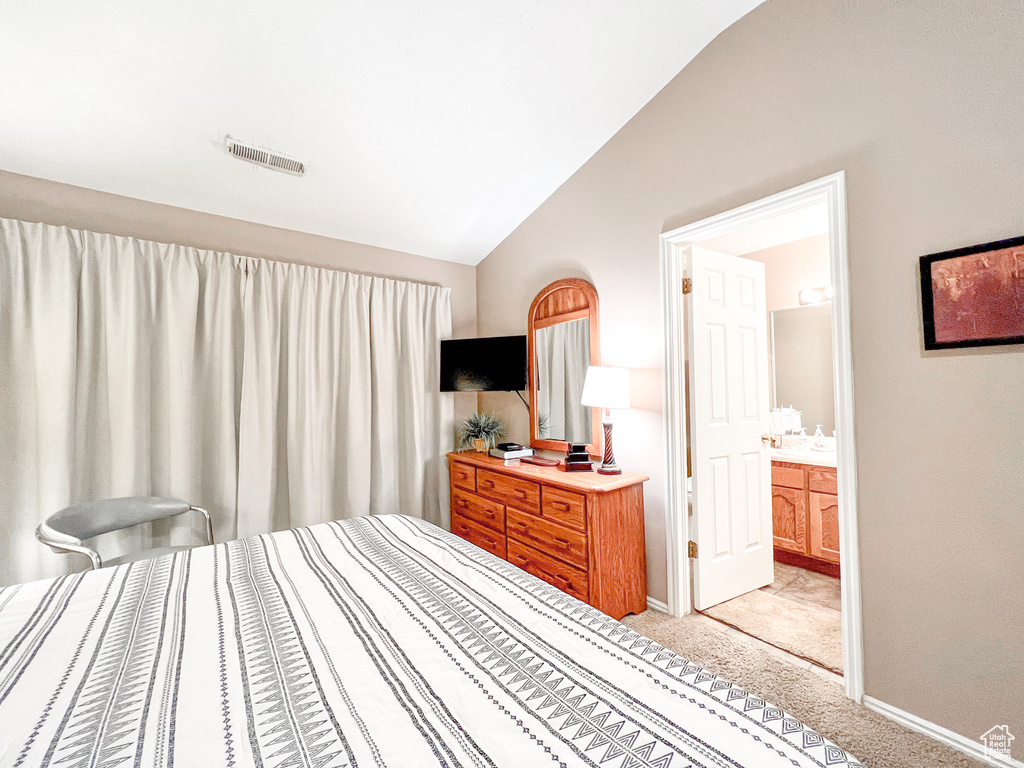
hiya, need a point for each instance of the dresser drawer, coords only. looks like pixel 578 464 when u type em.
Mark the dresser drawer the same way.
pixel 489 514
pixel 822 480
pixel 565 507
pixel 553 539
pixel 554 572
pixel 463 476
pixel 787 477
pixel 475 533
pixel 522 494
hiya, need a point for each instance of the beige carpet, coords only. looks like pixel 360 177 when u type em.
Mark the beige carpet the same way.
pixel 807 630
pixel 821 703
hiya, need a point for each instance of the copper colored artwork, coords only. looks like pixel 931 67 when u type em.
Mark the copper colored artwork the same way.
pixel 979 296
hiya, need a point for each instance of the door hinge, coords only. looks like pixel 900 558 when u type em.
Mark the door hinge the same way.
pixel 687 285
pixel 691 549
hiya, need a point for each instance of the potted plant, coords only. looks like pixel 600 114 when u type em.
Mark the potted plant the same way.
pixel 480 431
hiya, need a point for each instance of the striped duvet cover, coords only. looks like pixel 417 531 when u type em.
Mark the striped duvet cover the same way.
pixel 380 641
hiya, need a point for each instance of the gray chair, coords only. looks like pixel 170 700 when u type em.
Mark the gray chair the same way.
pixel 64 530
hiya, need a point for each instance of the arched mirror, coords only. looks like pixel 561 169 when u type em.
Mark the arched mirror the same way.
pixel 563 341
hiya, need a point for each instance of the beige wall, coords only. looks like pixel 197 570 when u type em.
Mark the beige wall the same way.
pixel 791 267
pixel 803 379
pixel 921 103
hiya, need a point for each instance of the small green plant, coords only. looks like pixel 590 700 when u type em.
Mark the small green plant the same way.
pixel 480 426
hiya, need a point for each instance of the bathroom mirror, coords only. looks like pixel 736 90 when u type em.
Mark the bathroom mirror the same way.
pixel 802 363
pixel 563 342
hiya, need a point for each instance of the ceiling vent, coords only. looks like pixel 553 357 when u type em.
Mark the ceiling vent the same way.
pixel 268 158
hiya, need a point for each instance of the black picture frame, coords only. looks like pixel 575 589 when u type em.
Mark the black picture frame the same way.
pixel 928 298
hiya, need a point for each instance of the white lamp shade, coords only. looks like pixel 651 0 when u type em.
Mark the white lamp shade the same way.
pixel 606 387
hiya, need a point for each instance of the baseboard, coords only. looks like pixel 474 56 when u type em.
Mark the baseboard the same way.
pixel 657 605
pixel 945 736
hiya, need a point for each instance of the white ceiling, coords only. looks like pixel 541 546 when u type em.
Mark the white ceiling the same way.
pixel 784 228
pixel 432 127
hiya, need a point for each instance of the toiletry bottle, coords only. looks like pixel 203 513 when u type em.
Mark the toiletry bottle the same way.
pixel 803 439
pixel 819 440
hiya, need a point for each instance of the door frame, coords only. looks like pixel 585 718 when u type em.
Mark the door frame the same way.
pixel 830 190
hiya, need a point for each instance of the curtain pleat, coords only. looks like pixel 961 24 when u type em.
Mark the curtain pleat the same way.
pixel 272 394
pixel 305 397
pixel 411 427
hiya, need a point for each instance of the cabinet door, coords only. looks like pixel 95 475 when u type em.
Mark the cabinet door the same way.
pixel 789 519
pixel 824 519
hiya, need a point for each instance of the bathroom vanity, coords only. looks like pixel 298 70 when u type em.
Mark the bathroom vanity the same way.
pixel 805 512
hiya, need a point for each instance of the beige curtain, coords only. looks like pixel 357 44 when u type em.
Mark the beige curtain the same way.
pixel 119 376
pixel 272 394
pixel 341 413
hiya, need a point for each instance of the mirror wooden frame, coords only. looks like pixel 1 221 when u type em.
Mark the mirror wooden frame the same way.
pixel 562 302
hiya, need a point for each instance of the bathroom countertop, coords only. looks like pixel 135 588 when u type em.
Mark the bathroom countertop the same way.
pixel 805 456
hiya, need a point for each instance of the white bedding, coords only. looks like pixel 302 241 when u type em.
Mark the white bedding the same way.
pixel 381 641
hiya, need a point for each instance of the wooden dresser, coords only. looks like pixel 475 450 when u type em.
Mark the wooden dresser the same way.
pixel 805 516
pixel 580 531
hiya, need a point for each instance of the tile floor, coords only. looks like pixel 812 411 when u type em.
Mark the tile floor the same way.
pixel 803 586
pixel 800 586
pixel 789 658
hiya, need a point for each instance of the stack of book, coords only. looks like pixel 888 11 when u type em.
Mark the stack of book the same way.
pixel 577 459
pixel 511 458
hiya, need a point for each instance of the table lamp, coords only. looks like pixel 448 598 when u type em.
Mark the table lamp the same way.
pixel 605 388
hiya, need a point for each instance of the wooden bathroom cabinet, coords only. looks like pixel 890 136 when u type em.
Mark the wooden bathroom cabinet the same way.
pixel 805 516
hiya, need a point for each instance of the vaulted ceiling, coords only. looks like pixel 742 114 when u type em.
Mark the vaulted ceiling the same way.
pixel 431 127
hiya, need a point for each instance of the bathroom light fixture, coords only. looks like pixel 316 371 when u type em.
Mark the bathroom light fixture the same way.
pixel 815 295
pixel 606 387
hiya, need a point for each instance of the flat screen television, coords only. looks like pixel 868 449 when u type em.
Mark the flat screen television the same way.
pixel 492 364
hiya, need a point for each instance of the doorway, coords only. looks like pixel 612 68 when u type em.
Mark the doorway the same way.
pixel 721 572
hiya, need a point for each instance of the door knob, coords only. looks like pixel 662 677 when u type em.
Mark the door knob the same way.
pixel 768 439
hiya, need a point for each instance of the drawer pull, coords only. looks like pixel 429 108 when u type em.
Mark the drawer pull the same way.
pixel 521 559
pixel 561 505
pixel 521 526
pixel 487 483
pixel 489 514
pixel 519 492
pixel 489 541
pixel 561 578
pixel 462 503
pixel 563 542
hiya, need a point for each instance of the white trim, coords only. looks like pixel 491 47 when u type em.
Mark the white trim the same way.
pixel 674 408
pixel 830 190
pixel 656 605
pixel 943 735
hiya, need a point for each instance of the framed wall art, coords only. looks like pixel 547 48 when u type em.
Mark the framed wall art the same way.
pixel 974 297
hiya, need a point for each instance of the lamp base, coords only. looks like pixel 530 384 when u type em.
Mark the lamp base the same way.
pixel 608 466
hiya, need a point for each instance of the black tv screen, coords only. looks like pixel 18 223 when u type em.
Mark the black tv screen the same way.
pixel 493 364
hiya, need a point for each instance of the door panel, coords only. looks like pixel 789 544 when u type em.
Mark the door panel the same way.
pixel 728 350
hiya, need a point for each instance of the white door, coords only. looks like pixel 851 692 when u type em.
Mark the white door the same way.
pixel 731 514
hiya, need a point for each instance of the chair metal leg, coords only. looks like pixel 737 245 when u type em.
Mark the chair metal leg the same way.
pixel 64 547
pixel 209 523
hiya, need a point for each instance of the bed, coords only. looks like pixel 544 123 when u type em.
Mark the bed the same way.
pixel 380 641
